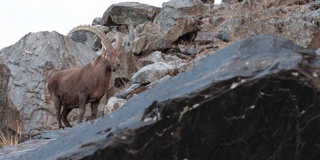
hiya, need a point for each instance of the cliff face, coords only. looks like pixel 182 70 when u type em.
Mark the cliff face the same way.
pixel 238 78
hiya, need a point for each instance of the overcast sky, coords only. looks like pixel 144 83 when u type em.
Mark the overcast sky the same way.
pixel 19 17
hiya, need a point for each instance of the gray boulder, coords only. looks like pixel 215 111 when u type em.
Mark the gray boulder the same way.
pixel 148 37
pixel 13 152
pixel 128 14
pixel 193 8
pixel 205 37
pixel 152 72
pixel 113 104
pixel 150 59
pixel 177 18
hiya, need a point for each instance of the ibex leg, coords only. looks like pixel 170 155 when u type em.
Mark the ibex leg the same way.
pixel 82 107
pixel 64 116
pixel 94 109
pixel 57 105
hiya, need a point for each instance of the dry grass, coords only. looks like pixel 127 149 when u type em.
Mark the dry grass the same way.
pixel 8 138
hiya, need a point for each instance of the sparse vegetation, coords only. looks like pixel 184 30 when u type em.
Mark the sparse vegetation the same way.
pixel 9 137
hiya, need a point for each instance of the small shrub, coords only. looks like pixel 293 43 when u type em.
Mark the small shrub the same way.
pixel 9 138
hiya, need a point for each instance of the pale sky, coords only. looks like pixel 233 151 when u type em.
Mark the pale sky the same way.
pixel 19 17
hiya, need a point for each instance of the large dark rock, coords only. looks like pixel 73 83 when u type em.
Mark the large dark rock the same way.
pixel 255 99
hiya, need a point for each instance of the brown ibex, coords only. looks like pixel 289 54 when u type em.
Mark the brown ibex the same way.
pixel 74 88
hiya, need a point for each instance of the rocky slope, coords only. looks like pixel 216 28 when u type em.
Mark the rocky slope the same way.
pixel 243 99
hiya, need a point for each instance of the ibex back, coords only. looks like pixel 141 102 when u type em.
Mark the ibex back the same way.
pixel 74 88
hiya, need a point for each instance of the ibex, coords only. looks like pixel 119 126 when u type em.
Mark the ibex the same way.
pixel 74 88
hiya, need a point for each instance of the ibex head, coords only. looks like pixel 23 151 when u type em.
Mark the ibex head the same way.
pixel 112 55
pixel 109 53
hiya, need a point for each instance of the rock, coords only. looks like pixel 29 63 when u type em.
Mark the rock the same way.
pixel 196 61
pixel 293 2
pixel 148 37
pixel 224 37
pixel 187 7
pixel 51 134
pixel 192 50
pixel 283 20
pixel 232 27
pixel 113 104
pixel 16 151
pixel 161 80
pixel 186 50
pixel 134 89
pixel 174 59
pixel 137 88
pixel 303 39
pixel 318 51
pixel 128 13
pixel 150 59
pixel 178 18
pixel 32 61
pixel 208 33
pixel 205 37
pixel 208 1
pixel 96 21
pixel 216 21
pixel 256 98
pixel 229 1
pixel 151 73
pixel 313 16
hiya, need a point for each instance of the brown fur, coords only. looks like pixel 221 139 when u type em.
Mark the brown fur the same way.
pixel 74 88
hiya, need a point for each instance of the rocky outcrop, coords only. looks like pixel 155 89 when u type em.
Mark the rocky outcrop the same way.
pixel 255 98
pixel 128 13
pixel 282 18
pixel 151 28
pixel 178 18
pixel 148 37
pixel 16 151
pixel 152 72
pixel 32 61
